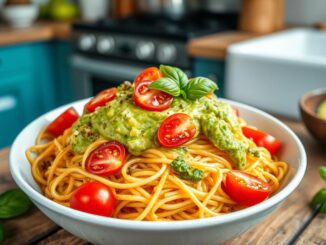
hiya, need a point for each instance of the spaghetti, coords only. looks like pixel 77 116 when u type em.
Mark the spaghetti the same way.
pixel 147 188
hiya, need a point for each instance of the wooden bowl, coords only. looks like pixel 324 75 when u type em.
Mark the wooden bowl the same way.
pixel 308 107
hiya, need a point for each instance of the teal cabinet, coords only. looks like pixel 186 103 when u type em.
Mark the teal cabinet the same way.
pixel 63 85
pixel 213 69
pixel 16 97
pixel 32 78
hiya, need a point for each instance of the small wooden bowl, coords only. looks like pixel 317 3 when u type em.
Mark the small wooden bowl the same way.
pixel 308 107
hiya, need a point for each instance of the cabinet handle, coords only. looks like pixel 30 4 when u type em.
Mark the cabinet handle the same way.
pixel 7 102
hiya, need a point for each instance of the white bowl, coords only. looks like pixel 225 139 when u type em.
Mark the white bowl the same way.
pixel 21 15
pixel 102 230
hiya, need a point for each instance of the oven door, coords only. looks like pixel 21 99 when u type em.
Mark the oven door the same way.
pixel 91 76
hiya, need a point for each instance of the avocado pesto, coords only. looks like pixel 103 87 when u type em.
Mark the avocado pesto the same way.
pixel 123 121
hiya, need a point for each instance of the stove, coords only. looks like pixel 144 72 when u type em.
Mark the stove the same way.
pixel 147 39
pixel 109 52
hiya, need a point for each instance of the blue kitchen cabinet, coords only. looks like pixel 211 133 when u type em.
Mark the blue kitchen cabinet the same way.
pixel 62 55
pixel 213 69
pixel 18 104
pixel 33 80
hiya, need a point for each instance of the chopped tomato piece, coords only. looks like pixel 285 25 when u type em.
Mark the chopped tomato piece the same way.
pixel 101 99
pixel 262 139
pixel 176 130
pixel 246 189
pixel 151 99
pixel 106 159
pixel 62 122
pixel 149 74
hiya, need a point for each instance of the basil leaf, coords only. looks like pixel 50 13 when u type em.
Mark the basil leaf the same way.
pixel 199 87
pixel 323 208
pixel 319 198
pixel 13 203
pixel 175 74
pixel 322 172
pixel 2 232
pixel 166 85
pixel 183 94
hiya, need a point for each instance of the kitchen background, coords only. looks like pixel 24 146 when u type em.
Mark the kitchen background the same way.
pixel 74 49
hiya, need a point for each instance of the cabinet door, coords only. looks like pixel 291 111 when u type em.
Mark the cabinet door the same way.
pixel 64 76
pixel 213 69
pixel 17 106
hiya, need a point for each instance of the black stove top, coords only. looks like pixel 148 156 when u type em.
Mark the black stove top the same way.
pixel 198 24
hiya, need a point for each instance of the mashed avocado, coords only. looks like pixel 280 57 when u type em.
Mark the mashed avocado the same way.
pixel 136 128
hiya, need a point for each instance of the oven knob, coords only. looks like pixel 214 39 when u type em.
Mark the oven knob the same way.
pixel 87 42
pixel 166 53
pixel 145 50
pixel 105 45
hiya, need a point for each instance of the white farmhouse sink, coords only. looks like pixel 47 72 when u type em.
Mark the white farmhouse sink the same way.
pixel 272 72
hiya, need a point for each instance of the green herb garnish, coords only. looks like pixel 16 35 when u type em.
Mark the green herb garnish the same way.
pixel 186 172
pixel 175 82
pixel 12 204
pixel 322 172
pixel 199 87
pixel 166 85
pixel 183 150
pixel 176 74
pixel 319 200
pixel 253 152
pixel 2 233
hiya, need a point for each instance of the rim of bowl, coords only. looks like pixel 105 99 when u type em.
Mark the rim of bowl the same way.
pixel 271 202
pixel 309 94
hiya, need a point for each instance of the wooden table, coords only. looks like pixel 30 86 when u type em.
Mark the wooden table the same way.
pixel 293 222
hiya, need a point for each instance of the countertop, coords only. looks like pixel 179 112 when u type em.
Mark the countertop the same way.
pixel 40 31
pixel 292 223
pixel 215 46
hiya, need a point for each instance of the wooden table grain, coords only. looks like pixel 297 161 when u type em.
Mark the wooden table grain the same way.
pixel 293 222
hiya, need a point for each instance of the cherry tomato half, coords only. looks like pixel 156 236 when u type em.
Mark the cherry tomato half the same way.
pixel 93 198
pixel 176 130
pixel 151 99
pixel 62 122
pixel 262 139
pixel 149 74
pixel 101 99
pixel 246 189
pixel 106 159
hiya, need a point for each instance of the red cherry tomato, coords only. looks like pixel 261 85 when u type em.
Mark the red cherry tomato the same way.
pixel 262 139
pixel 93 198
pixel 106 159
pixel 101 99
pixel 151 99
pixel 149 74
pixel 246 189
pixel 62 122
pixel 176 130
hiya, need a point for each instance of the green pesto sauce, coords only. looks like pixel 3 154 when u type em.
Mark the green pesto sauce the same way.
pixel 136 128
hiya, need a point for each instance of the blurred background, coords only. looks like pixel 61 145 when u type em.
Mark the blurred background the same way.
pixel 266 53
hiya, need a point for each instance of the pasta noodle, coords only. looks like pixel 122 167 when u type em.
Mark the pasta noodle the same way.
pixel 146 188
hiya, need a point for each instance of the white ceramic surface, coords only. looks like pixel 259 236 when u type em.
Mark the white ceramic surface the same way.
pixel 101 230
pixel 95 9
pixel 20 16
pixel 273 72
